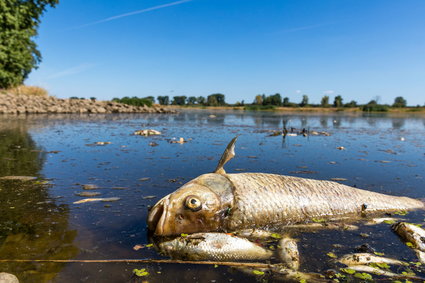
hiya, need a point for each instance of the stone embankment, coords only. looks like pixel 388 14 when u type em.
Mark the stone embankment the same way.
pixel 22 104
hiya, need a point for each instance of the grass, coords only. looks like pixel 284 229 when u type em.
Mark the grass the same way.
pixel 28 90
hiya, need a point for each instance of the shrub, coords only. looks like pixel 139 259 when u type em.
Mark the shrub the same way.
pixel 28 90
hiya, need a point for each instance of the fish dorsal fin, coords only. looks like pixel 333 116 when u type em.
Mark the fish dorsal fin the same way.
pixel 228 154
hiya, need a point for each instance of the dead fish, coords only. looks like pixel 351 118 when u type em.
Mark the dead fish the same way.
pixel 373 270
pixel 288 253
pixel 96 199
pixel 365 258
pixel 411 233
pixel 230 202
pixel 213 246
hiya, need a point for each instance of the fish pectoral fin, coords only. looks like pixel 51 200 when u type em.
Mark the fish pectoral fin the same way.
pixel 228 154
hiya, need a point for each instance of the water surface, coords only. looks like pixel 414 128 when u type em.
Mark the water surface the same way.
pixel 38 219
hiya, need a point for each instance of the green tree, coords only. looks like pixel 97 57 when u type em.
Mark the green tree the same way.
pixel 304 101
pixel 325 101
pixel 275 99
pixel 351 104
pixel 216 99
pixel 201 100
pixel 399 101
pixel 338 101
pixel 191 100
pixel 179 100
pixel 19 21
pixel 163 100
pixel 258 100
pixel 286 102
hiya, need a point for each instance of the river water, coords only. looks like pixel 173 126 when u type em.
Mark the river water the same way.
pixel 39 220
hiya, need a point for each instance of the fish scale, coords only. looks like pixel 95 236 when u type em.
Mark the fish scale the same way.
pixel 265 199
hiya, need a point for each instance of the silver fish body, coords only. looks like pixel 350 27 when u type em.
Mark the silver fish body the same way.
pixel 213 246
pixel 229 202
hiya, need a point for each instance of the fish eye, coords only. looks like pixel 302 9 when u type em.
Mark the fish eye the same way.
pixel 193 203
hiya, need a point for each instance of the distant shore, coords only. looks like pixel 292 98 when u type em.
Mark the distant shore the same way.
pixel 409 110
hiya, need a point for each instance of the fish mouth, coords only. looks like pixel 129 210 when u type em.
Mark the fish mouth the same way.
pixel 157 217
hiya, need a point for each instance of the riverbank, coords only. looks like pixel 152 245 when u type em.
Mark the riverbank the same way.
pixel 28 104
pixel 419 110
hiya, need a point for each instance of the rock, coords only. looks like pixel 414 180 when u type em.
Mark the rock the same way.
pixel 22 104
pixel 8 278
pixel 147 132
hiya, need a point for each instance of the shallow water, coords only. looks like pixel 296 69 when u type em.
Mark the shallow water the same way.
pixel 38 219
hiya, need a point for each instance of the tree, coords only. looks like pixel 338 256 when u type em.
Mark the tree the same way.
pixel 351 104
pixel 275 99
pixel 163 100
pixel 19 21
pixel 179 100
pixel 399 101
pixel 286 102
pixel 325 101
pixel 304 101
pixel 338 101
pixel 191 100
pixel 201 100
pixel 150 98
pixel 216 99
pixel 258 100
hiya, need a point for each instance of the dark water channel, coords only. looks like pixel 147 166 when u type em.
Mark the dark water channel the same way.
pixel 38 219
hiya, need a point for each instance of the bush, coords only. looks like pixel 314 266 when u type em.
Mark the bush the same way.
pixel 28 90
pixel 373 106
pixel 135 101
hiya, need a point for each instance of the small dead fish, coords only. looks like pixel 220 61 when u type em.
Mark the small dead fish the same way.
pixel 213 246
pixel 365 258
pixel 147 132
pixel 288 253
pixel 411 233
pixel 96 199
pixel 389 220
pixel 373 270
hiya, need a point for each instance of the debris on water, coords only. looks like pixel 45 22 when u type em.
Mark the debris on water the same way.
pixel 149 197
pixel 144 179
pixel 332 162
pixel 88 194
pixel 340 148
pixel 18 178
pixel 212 116
pixel 402 139
pixel 147 132
pixel 96 199
pixel 180 141
pixel 365 248
pixel 338 179
pixel 90 187
pixel 138 247
pixel 153 144
pixel 140 272
pixel 119 188
pixel 331 255
pixel 102 143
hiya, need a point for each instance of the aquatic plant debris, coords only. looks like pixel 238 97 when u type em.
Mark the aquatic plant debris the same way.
pixel 96 200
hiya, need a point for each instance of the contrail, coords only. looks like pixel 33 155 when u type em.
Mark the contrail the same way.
pixel 135 13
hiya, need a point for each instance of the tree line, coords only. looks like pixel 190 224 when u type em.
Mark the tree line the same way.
pixel 260 101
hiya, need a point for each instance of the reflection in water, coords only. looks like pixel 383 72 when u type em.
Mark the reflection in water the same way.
pixel 398 123
pixel 32 226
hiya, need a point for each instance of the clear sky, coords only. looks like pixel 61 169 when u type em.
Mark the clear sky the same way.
pixel 359 49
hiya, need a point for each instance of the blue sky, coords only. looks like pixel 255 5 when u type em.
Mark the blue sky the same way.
pixel 359 49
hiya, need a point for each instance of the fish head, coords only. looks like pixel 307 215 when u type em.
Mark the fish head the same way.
pixel 198 206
